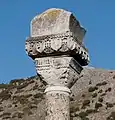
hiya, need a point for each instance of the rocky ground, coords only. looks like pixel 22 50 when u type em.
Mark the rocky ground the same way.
pixel 92 98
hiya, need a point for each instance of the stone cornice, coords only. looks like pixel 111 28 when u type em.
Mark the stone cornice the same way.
pixel 58 44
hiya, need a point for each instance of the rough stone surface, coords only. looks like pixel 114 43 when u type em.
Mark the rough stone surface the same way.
pixel 55 21
pixel 57 106
pixel 92 97
pixel 58 70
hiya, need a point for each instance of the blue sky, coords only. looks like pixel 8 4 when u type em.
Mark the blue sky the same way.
pixel 97 16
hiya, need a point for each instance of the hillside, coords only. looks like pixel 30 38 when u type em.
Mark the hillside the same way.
pixel 92 98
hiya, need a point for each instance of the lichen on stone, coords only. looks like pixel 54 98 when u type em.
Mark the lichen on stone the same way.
pixel 52 13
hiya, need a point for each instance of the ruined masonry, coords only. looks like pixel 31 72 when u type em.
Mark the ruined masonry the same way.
pixel 56 46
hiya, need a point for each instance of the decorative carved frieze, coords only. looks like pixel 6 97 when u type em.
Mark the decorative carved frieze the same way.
pixel 59 44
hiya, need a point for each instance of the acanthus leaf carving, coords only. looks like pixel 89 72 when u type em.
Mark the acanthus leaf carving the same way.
pixel 58 70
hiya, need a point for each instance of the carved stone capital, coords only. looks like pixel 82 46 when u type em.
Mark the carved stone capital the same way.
pixel 60 70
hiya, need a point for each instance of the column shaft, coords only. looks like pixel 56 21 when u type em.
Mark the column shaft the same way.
pixel 57 105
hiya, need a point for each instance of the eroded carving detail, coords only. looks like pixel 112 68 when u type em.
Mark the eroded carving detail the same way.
pixel 61 110
pixel 55 45
pixel 58 70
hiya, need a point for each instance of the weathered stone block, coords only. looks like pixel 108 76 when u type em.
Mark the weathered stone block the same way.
pixel 55 21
